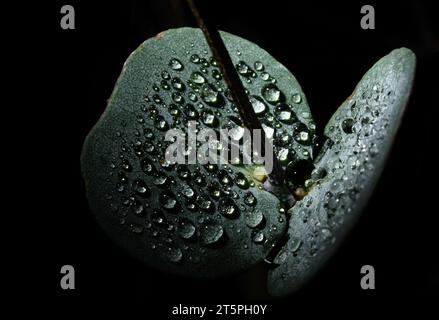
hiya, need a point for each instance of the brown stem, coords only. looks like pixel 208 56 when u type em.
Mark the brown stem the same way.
pixel 235 86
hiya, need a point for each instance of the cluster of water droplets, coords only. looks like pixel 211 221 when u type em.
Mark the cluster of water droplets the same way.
pixel 342 173
pixel 182 208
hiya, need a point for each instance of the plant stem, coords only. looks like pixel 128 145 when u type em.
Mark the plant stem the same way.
pixel 235 86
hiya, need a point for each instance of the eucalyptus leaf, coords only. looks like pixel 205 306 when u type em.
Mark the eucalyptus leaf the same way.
pixel 191 219
pixel 360 135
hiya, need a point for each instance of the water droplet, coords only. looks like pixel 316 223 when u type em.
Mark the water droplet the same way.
pixel 161 180
pixel 140 188
pixel 298 172
pixel 297 98
pixel 258 105
pixel 198 78
pixel 250 199
pixel 211 233
pixel 227 207
pixel 216 74
pixel 259 66
pixel 177 84
pixel 224 178
pixel 195 58
pixel 165 85
pixel 165 75
pixel 161 124
pixel 177 98
pixel 209 119
pixel 187 191
pixel 254 218
pixel 265 76
pixel 175 64
pixel 126 165
pixel 295 244
pixel 139 209
pixel 284 113
pixel 211 96
pixel 284 155
pixel 174 254
pixel 168 201
pixel 157 99
pixel 136 228
pixel 347 125
pixel 241 181
pixel 243 69
pixel 186 229
pixel 271 93
pixel 205 204
pixel 259 237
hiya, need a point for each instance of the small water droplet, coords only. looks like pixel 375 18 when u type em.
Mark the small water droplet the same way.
pixel 177 84
pixel 198 78
pixel 250 199
pixel 284 113
pixel 271 93
pixel 241 181
pixel 175 64
pixel 211 233
pixel 175 255
pixel 211 96
pixel 165 75
pixel 347 125
pixel 227 207
pixel 258 66
pixel 195 58
pixel 297 98
pixel 186 229
pixel 254 218
pixel 258 105
pixel 209 119
pixel 259 237
pixel 140 188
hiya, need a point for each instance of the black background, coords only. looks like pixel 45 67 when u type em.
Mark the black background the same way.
pixel 325 48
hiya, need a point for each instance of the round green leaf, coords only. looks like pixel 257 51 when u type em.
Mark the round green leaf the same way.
pixel 190 219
